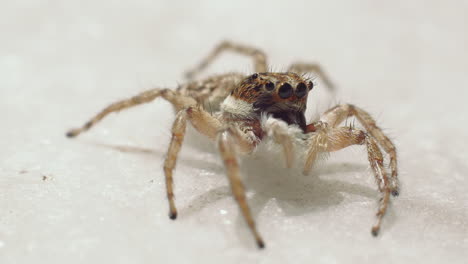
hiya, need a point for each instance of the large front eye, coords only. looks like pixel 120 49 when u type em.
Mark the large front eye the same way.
pixel 301 90
pixel 285 90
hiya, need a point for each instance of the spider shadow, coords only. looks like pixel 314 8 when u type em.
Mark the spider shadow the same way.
pixel 266 177
pixel 156 153
pixel 295 194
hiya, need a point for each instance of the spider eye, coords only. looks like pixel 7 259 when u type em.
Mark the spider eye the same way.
pixel 254 76
pixel 285 91
pixel 270 86
pixel 301 90
pixel 311 85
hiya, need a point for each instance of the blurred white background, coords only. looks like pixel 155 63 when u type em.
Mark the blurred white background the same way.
pixel 101 197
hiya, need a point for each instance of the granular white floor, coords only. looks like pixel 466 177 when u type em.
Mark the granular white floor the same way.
pixel 101 198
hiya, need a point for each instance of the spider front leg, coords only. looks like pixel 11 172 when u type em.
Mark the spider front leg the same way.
pixel 301 68
pixel 258 56
pixel 178 134
pixel 204 123
pixel 227 148
pixel 339 113
pixel 333 139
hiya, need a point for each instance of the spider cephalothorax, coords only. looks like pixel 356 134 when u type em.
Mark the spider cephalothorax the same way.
pixel 243 110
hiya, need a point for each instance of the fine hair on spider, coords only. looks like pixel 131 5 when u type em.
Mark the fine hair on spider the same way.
pixel 239 111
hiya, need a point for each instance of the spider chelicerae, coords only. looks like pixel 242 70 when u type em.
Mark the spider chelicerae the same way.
pixel 249 109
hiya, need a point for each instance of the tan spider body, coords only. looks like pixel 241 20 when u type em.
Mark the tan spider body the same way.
pixel 247 109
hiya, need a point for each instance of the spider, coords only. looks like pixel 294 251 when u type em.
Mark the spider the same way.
pixel 250 109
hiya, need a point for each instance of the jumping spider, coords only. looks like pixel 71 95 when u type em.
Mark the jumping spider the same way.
pixel 249 109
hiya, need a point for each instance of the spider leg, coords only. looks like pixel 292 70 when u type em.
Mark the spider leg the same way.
pixel 339 113
pixel 258 56
pixel 301 68
pixel 334 139
pixel 227 149
pixel 178 134
pixel 203 121
pixel 279 131
pixel 177 100
pixel 205 124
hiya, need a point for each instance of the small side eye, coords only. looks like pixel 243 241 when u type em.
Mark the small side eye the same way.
pixel 311 85
pixel 254 76
pixel 301 90
pixel 270 86
pixel 285 91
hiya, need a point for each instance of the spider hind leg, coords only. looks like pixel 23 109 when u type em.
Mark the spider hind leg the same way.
pixel 258 56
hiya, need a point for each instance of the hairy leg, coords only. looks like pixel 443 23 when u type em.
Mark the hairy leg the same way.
pixel 200 119
pixel 227 149
pixel 204 123
pixel 178 134
pixel 258 56
pixel 177 100
pixel 301 68
pixel 339 113
pixel 333 139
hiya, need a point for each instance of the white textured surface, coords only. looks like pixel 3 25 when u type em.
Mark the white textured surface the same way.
pixel 62 61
